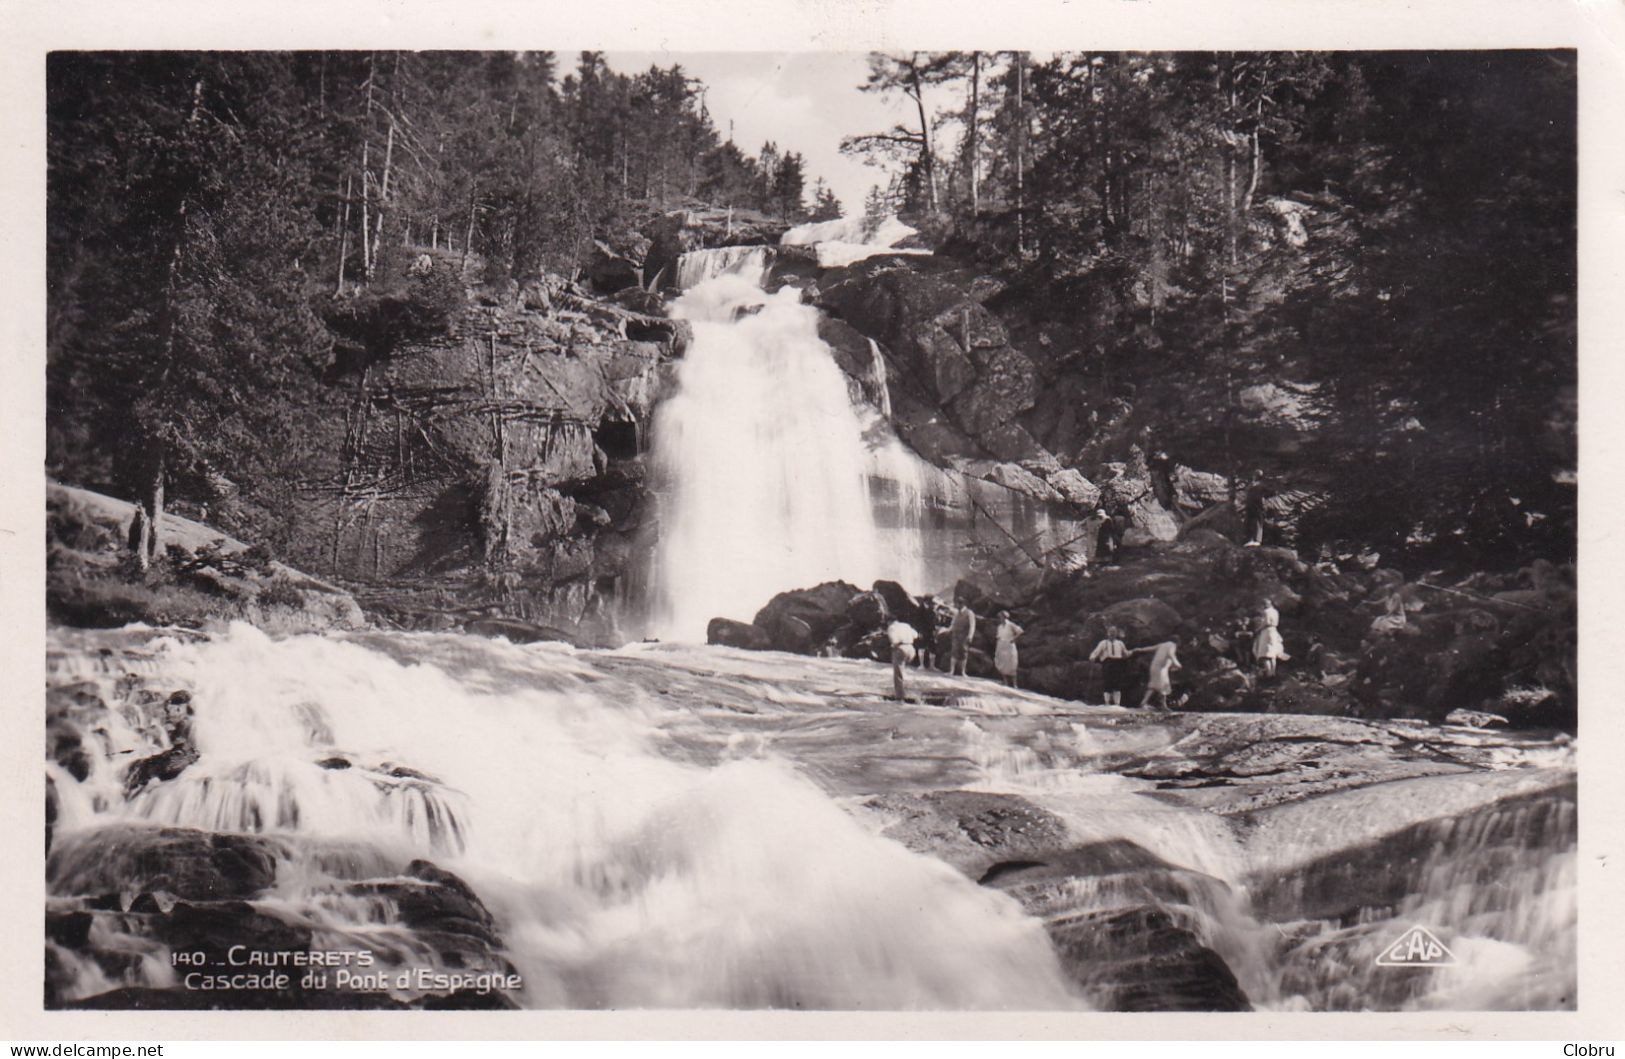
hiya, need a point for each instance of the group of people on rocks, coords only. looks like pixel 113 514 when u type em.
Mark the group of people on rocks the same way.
pixel 954 630
pixel 1114 655
pixel 1260 637
pixel 1255 642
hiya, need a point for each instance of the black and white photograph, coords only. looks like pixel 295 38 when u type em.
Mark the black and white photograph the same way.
pixel 832 530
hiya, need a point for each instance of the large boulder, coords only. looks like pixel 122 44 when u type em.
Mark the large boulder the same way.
pixel 802 619
pixel 953 347
pixel 867 610
pixel 904 607
pixel 854 354
pixel 1074 487
pixel 1142 621
pixel 726 632
pixel 1006 386
pixel 610 271
pixel 191 864
pixel 941 365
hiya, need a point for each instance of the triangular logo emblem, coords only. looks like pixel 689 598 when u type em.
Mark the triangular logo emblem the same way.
pixel 1417 947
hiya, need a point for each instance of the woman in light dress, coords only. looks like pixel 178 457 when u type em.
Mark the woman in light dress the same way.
pixel 1268 648
pixel 1160 684
pixel 1004 647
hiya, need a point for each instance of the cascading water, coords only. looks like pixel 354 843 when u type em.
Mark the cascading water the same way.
pixel 621 869
pixel 1498 882
pixel 877 375
pixel 766 477
pixel 670 825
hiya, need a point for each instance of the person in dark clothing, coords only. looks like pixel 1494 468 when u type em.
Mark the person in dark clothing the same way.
pixel 1109 537
pixel 1105 537
pixel 1162 481
pixel 1241 641
pixel 936 643
pixel 1255 510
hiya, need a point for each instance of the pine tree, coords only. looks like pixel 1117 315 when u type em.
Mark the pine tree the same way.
pixel 826 207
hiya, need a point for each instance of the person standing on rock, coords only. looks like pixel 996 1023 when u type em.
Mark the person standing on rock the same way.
pixel 1161 468
pixel 960 631
pixel 1164 659
pixel 1268 647
pixel 1004 649
pixel 902 636
pixel 1241 641
pixel 937 643
pixel 1107 537
pixel 1112 654
pixel 1255 510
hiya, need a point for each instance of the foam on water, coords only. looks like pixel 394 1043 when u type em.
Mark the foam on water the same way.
pixel 621 874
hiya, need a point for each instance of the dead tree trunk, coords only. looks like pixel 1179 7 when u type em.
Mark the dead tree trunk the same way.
pixel 973 149
pixel 927 155
pixel 1021 153
pixel 154 443
pixel 366 172
pixel 344 231
pixel 383 196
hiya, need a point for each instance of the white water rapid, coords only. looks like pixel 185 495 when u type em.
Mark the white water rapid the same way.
pixel 767 472
pixel 623 868
pixel 678 826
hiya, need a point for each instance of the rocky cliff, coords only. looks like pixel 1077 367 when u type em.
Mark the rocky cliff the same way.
pixel 496 469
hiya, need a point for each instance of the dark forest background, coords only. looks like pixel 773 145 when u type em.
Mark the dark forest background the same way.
pixel 220 222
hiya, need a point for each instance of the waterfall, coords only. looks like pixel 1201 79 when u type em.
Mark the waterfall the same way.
pixel 763 466
pixel 621 871
pixel 877 376
pixel 751 262
pixel 848 240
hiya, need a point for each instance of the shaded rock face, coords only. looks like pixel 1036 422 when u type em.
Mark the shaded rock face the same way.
pixel 964 394
pixel 617 264
pixel 952 348
pixel 519 440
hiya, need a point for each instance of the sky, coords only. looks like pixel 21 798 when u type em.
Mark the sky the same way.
pixel 802 101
